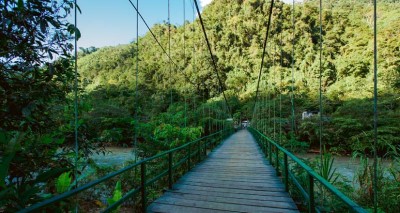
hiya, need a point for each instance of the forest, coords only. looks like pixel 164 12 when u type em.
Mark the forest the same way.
pixel 134 94
pixel 236 34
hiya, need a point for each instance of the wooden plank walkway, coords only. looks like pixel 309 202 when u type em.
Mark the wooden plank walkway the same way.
pixel 234 178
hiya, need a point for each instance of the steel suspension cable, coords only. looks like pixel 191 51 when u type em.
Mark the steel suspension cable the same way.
pixel 212 56
pixel 264 51
pixel 375 112
pixel 157 41
pixel 151 32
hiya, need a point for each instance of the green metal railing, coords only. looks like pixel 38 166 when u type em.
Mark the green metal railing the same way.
pixel 193 151
pixel 271 149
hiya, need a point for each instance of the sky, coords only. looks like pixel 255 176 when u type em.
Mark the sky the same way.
pixel 113 22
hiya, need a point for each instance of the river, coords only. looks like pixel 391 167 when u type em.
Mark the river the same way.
pixel 115 156
pixel 344 165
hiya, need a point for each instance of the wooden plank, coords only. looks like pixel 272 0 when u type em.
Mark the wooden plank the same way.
pixel 168 208
pixel 270 197
pixel 206 170
pixel 228 179
pixel 220 206
pixel 230 175
pixel 231 190
pixel 270 187
pixel 235 177
pixel 242 201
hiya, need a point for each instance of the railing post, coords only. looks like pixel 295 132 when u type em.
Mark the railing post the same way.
pixel 311 202
pixel 265 148
pixel 189 155
pixel 143 185
pixel 277 160
pixel 199 151
pixel 270 152
pixel 205 147
pixel 286 168
pixel 261 142
pixel 170 170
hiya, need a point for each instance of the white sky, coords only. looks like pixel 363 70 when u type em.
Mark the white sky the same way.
pixel 206 2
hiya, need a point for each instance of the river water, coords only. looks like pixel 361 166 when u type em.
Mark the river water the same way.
pixel 344 165
pixel 115 156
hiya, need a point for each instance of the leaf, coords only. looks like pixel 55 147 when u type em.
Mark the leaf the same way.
pixel 63 182
pixel 12 146
pixel 20 4
pixel 46 139
pixel 77 33
pixel 53 22
pixel 50 55
pixel 43 26
pixel 60 141
pixel 79 9
pixel 117 194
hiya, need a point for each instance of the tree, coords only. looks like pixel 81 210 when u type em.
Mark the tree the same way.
pixel 32 33
pixel 35 78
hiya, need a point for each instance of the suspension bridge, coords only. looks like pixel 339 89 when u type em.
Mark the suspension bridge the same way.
pixel 225 171
pixel 235 177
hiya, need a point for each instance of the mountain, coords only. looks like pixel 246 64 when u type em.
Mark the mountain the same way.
pixel 236 30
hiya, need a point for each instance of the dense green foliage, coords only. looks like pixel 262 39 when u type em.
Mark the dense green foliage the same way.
pixel 236 33
pixel 34 89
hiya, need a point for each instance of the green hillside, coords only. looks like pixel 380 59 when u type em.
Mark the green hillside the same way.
pixel 236 31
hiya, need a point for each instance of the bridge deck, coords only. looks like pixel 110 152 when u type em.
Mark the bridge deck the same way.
pixel 234 178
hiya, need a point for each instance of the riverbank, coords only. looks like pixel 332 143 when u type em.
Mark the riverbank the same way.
pixel 345 165
pixel 114 156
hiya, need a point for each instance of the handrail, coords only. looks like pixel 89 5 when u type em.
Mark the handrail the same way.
pixel 311 175
pixel 132 192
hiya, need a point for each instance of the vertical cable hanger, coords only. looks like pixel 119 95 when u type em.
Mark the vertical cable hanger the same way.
pixel 136 88
pixel 269 100
pixel 274 92
pixel 76 97
pixel 280 85
pixel 136 82
pixel 76 106
pixel 292 96
pixel 169 50
pixel 263 114
pixel 375 113
pixel 320 83
pixel 266 112
pixel 184 55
